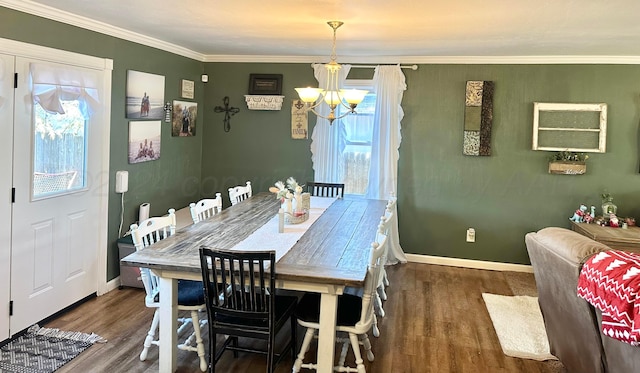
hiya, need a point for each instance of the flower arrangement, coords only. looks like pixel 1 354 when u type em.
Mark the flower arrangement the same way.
pixel 290 195
pixel 567 156
pixel 286 192
pixel 568 163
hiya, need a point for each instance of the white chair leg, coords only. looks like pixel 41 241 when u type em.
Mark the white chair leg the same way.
pixel 382 292
pixel 150 336
pixel 377 305
pixel 367 347
pixel 195 319
pixel 385 279
pixel 343 352
pixel 376 331
pixel 308 336
pixel 355 345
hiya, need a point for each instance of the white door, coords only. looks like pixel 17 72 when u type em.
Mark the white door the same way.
pixel 56 218
pixel 6 129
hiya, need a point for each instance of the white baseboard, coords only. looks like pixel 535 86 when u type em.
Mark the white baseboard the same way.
pixel 111 285
pixel 468 263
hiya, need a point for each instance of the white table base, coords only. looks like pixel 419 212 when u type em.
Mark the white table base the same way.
pixel 169 315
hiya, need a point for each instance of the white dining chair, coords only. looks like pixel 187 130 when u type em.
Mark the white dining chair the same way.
pixel 205 208
pixel 240 193
pixel 355 316
pixel 380 293
pixel 190 293
pixel 390 211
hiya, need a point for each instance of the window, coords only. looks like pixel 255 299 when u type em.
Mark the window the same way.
pixel 59 150
pixel 570 127
pixel 64 99
pixel 356 156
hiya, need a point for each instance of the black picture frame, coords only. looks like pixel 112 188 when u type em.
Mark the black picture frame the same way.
pixel 265 84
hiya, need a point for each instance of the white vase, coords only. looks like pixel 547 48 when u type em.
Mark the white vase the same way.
pixel 288 206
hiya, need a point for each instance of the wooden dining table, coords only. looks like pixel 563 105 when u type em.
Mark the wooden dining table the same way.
pixel 331 254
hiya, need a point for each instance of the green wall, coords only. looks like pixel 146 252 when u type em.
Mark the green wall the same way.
pixel 504 196
pixel 258 147
pixel 171 181
pixel 441 192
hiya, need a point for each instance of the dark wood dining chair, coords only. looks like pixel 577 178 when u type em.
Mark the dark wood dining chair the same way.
pixel 241 302
pixel 320 189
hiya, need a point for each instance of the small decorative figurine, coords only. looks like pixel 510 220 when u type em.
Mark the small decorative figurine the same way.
pixel 631 222
pixel 578 216
pixel 613 220
pixel 588 217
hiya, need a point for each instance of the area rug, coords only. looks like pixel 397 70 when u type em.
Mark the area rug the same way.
pixel 43 350
pixel 519 325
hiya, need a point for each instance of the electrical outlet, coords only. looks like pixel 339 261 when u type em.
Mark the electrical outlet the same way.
pixel 471 235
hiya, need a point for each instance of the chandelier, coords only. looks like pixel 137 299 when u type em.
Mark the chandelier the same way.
pixel 333 95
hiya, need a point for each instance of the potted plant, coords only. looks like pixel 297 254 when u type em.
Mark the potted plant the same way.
pixel 568 163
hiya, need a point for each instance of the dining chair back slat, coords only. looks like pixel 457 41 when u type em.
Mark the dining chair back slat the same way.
pixel 321 189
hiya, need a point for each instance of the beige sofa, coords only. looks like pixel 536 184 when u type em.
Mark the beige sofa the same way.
pixel 572 324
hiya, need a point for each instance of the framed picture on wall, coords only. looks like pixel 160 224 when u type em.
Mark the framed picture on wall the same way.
pixel 144 96
pixel 265 84
pixel 185 118
pixel 187 88
pixel 144 141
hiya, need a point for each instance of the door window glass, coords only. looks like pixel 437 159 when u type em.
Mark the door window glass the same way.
pixel 60 150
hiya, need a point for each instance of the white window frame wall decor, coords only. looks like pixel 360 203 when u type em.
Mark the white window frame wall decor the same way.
pixel 600 128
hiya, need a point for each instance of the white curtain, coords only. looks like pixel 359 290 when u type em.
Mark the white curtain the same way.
pixel 389 83
pixel 54 83
pixel 327 141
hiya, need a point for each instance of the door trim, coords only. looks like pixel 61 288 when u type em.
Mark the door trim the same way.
pixel 26 50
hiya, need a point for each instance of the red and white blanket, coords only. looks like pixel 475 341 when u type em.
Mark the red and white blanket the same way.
pixel 610 281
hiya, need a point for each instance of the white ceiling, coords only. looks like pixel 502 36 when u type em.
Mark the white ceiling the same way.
pixel 374 30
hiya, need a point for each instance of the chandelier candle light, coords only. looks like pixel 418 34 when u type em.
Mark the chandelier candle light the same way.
pixel 333 95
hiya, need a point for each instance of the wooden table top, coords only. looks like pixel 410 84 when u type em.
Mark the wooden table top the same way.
pixel 334 250
pixel 611 236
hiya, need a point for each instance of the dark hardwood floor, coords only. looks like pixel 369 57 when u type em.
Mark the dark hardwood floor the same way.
pixel 436 322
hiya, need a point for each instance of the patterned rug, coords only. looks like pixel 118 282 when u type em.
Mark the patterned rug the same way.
pixel 43 350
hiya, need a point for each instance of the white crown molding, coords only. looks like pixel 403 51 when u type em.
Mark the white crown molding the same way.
pixel 40 10
pixel 44 11
pixel 468 263
pixel 434 60
pixel 263 58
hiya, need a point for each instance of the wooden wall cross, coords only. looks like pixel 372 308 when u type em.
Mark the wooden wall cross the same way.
pixel 228 113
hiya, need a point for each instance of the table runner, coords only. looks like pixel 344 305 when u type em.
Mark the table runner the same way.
pixel 268 238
